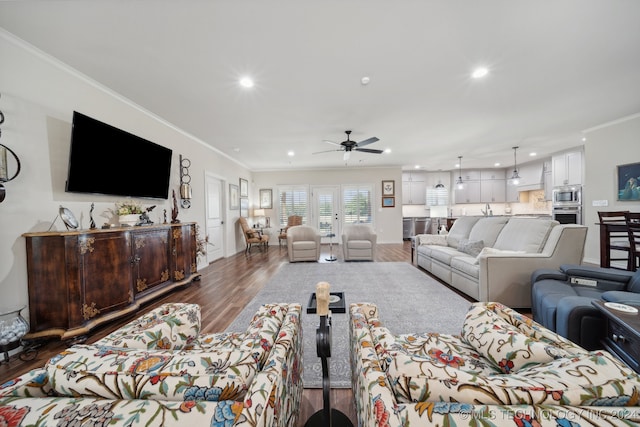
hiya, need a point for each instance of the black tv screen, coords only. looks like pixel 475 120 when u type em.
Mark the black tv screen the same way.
pixel 107 160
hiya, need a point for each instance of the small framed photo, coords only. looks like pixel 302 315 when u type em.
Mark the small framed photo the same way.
pixel 244 188
pixel 244 207
pixel 389 188
pixel 388 202
pixel 234 199
pixel 266 198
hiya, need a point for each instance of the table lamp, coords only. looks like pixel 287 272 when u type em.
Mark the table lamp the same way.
pixel 259 213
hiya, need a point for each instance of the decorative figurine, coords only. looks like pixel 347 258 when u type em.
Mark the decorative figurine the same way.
pixel 165 215
pixel 92 222
pixel 144 217
pixel 174 211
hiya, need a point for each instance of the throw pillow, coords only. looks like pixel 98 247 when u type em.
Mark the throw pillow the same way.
pixel 470 247
pixel 433 239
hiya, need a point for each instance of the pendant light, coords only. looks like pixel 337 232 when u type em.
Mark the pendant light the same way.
pixel 515 177
pixel 459 183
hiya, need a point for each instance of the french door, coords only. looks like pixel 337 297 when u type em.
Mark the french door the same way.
pixel 326 211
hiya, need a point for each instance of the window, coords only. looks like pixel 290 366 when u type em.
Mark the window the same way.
pixel 293 200
pixel 356 204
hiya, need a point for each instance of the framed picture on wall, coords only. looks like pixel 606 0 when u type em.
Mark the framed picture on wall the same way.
pixel 266 198
pixel 388 202
pixel 244 207
pixel 389 188
pixel 629 182
pixel 244 188
pixel 234 199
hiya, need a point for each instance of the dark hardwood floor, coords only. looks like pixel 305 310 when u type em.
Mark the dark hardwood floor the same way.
pixel 226 286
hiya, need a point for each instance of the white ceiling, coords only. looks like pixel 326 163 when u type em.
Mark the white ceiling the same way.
pixel 556 68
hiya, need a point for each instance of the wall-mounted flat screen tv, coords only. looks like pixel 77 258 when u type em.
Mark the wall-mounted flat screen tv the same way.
pixel 106 160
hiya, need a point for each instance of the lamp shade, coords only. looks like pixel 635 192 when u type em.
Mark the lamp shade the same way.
pixel 259 212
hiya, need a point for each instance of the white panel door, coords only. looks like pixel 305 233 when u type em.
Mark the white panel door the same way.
pixel 214 218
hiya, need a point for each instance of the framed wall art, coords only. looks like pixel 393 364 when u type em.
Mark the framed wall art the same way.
pixel 244 207
pixel 234 198
pixel 629 182
pixel 266 198
pixel 389 188
pixel 244 188
pixel 388 202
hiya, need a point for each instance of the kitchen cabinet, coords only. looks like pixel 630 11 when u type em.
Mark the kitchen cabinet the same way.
pixel 492 191
pixel 413 188
pixel 567 168
pixel 78 280
pixel 470 193
pixel 531 176
pixel 492 174
pixel 548 180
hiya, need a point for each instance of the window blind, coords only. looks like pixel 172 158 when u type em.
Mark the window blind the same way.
pixel 356 204
pixel 293 200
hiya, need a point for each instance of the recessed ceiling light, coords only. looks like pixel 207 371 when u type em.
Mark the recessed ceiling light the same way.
pixel 387 150
pixel 533 154
pixel 496 164
pixel 237 150
pixel 365 80
pixel 290 153
pixel 246 82
pixel 416 167
pixel 479 72
pixel 584 138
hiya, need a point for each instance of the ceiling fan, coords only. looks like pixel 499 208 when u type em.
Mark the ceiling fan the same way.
pixel 348 146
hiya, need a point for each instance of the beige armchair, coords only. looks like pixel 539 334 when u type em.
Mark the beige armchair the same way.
pixel 303 243
pixel 359 243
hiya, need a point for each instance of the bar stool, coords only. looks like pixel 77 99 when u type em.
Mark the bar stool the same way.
pixel 633 227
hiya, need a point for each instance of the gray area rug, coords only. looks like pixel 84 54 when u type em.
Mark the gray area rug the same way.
pixel 407 298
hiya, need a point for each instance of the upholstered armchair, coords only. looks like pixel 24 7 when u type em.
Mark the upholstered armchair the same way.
pixel 252 236
pixel 291 221
pixel 303 243
pixel 359 243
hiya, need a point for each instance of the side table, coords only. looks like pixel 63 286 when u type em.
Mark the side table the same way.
pixel 623 334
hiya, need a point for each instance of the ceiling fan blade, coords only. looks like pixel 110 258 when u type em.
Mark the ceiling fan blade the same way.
pixel 369 150
pixel 368 141
pixel 326 151
pixel 330 142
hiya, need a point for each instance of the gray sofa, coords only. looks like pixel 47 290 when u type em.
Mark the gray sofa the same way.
pixel 492 258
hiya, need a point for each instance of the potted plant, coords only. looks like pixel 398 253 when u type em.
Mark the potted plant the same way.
pixel 128 213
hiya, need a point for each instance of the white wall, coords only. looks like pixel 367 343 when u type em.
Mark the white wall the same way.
pixel 38 98
pixel 388 221
pixel 607 146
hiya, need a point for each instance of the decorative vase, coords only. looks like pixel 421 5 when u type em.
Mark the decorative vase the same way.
pixel 129 220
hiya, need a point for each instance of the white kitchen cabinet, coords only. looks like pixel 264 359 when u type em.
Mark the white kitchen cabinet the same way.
pixel 492 191
pixel 567 168
pixel 413 188
pixel 491 174
pixel 470 193
pixel 530 176
pixel 548 179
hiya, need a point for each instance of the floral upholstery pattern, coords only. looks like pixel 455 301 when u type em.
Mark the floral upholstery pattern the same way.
pixel 250 378
pixel 419 379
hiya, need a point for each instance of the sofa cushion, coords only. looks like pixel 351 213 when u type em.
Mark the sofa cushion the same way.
pixel 461 229
pixel 492 251
pixel 432 239
pixel 444 254
pixel 470 247
pixel 262 331
pixel 487 229
pixel 359 244
pixel 467 265
pixel 502 343
pixel 592 379
pixel 171 326
pixel 120 373
pixel 525 234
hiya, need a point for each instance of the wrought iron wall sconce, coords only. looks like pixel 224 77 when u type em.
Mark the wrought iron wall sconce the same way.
pixel 185 180
pixel 5 176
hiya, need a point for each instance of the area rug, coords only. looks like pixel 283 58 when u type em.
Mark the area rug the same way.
pixel 407 298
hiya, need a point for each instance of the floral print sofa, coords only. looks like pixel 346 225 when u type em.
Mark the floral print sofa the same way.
pixel 160 371
pixel 502 370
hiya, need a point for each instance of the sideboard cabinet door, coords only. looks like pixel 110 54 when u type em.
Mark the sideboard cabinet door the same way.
pixel 151 255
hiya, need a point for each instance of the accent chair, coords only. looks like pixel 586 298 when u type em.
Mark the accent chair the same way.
pixel 303 243
pixel 252 236
pixel 359 243
pixel 291 221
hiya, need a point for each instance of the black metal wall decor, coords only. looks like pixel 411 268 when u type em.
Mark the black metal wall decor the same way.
pixel 185 180
pixel 5 176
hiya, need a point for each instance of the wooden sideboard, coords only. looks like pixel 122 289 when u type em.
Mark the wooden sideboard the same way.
pixel 81 279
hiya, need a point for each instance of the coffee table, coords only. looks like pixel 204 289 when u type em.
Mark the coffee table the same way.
pixel 337 303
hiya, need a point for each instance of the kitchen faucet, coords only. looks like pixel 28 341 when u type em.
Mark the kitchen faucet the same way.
pixel 487 210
